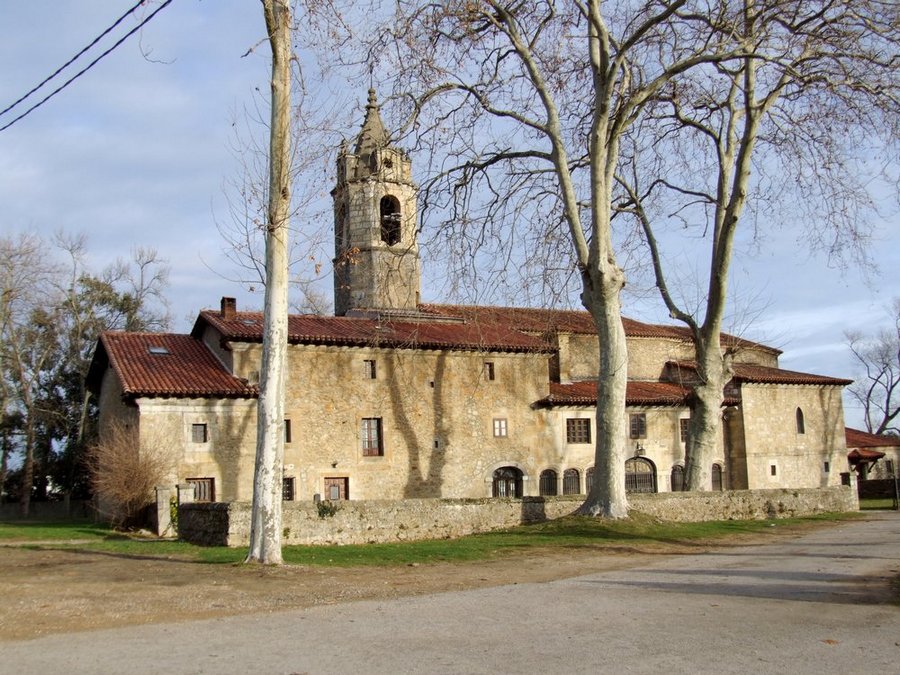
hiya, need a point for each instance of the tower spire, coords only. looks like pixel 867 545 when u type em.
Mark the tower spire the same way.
pixel 372 135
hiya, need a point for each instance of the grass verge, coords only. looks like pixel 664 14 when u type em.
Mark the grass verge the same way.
pixel 876 504
pixel 565 534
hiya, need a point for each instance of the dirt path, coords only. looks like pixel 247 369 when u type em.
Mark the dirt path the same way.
pixel 52 589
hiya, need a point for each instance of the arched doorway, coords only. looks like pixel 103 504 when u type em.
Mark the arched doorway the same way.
pixel 507 482
pixel 571 482
pixel 717 483
pixel 548 483
pixel 677 478
pixel 640 475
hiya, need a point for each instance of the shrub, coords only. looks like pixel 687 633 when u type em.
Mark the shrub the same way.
pixel 123 477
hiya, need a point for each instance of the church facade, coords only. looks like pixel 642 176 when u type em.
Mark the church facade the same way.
pixel 392 398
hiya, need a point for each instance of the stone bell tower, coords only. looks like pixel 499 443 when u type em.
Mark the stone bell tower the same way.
pixel 376 263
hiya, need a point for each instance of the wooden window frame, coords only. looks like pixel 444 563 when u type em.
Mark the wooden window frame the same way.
pixel 684 429
pixel 370 369
pixel 637 425
pixel 578 430
pixel 501 427
pixel 490 372
pixel 372 437
pixel 203 430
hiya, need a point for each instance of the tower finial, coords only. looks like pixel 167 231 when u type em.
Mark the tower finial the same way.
pixel 373 134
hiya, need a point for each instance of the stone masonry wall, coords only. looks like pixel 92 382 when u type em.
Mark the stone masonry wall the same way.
pixel 376 521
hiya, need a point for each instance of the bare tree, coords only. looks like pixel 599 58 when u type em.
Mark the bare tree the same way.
pixel 265 526
pixel 28 332
pixel 524 107
pixel 878 392
pixel 818 83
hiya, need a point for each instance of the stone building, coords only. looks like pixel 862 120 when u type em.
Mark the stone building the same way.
pixel 393 398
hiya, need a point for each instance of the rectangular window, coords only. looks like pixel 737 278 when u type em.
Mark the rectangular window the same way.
pixel 489 370
pixel 370 433
pixel 287 489
pixel 369 369
pixel 199 433
pixel 500 427
pixel 638 423
pixel 204 489
pixel 827 467
pixel 287 431
pixel 578 430
pixel 773 470
pixel 889 467
pixel 684 427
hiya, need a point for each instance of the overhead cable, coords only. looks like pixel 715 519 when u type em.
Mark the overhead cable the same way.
pixel 86 68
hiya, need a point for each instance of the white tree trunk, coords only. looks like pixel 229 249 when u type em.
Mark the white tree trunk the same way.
pixel 265 527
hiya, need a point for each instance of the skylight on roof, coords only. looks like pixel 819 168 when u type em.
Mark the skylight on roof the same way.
pixel 248 322
pixel 158 350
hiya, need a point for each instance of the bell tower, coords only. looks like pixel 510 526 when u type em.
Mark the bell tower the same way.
pixel 376 255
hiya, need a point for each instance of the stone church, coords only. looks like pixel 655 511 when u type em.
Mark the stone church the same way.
pixel 393 398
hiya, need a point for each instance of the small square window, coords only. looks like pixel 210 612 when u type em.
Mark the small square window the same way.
pixel 489 370
pixel 684 428
pixel 369 369
pixel 500 430
pixel 287 431
pixel 199 433
pixel 578 430
pixel 287 489
pixel 638 424
pixel 204 489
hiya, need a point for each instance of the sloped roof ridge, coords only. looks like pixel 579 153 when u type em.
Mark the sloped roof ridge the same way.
pixel 857 438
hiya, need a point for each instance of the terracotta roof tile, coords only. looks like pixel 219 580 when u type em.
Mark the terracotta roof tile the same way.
pixel 636 393
pixel 863 439
pixel 764 375
pixel 570 321
pixel 360 331
pixel 745 372
pixel 166 364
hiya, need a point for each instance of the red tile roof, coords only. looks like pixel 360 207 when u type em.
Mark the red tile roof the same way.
pixel 387 332
pixel 764 375
pixel 570 321
pixel 863 439
pixel 745 372
pixel 165 364
pixel 636 393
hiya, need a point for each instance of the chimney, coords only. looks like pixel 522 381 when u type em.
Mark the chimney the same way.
pixel 229 309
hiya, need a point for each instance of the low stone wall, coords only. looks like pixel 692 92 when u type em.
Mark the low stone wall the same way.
pixel 376 521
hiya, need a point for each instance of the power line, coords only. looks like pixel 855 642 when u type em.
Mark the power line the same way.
pixel 86 68
pixel 73 59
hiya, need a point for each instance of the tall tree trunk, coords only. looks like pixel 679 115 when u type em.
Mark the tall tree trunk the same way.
pixel 704 430
pixel 265 526
pixel 27 470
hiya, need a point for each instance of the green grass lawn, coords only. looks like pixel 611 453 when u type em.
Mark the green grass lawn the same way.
pixel 876 504
pixel 565 534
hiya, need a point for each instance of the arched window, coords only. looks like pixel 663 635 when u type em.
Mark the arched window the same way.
pixel 801 425
pixel 677 478
pixel 571 482
pixel 640 475
pixel 507 482
pixel 717 483
pixel 588 480
pixel 390 220
pixel 548 483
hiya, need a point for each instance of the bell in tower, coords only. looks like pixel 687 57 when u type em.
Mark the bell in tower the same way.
pixel 376 265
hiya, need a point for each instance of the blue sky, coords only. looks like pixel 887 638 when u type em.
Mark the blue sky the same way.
pixel 137 151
